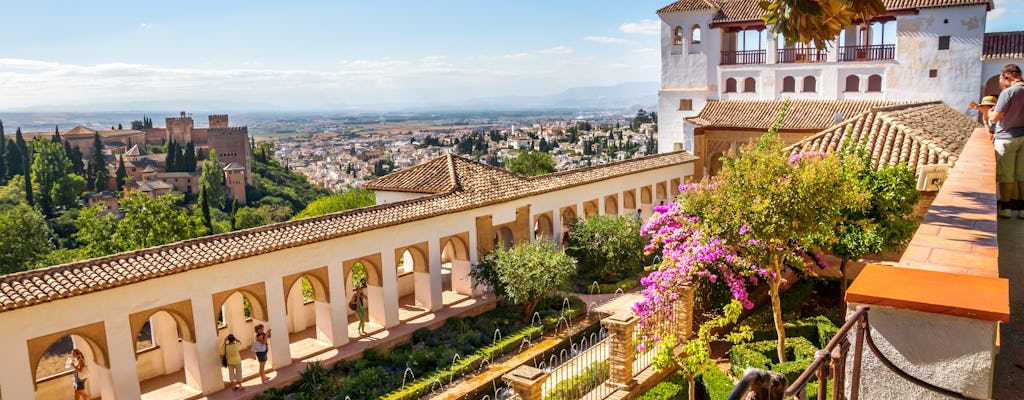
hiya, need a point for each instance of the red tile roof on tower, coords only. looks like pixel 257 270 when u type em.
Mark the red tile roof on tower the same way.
pixel 474 185
pixel 749 10
pixel 1003 45
pixel 914 134
pixel 811 115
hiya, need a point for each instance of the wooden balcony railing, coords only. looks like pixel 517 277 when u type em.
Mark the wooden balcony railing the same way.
pixel 802 55
pixel 867 53
pixel 743 57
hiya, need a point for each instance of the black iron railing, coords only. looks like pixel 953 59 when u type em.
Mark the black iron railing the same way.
pixel 867 52
pixel 743 57
pixel 830 364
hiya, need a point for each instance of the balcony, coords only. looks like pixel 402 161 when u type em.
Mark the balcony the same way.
pixel 873 52
pixel 802 55
pixel 738 57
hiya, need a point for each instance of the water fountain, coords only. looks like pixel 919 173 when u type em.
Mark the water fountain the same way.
pixel 563 356
pixel 454 360
pixel 619 292
pixel 565 305
pixel 496 337
pixel 484 364
pixel 436 385
pixel 525 342
pixel 594 288
pixel 534 319
pixel 568 326
pixel 591 308
pixel 408 371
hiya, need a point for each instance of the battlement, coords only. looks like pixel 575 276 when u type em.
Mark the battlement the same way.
pixel 218 121
pixel 234 130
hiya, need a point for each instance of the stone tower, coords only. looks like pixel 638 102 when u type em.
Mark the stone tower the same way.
pixel 180 129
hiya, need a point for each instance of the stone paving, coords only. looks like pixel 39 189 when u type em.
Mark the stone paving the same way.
pixel 1009 378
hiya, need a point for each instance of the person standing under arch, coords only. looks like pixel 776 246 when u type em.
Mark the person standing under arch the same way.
pixel 260 347
pixel 78 374
pixel 233 361
pixel 359 303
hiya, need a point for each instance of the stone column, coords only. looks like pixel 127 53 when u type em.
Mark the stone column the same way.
pixel 833 51
pixel 202 362
pixel 277 319
pixel 771 52
pixel 621 349
pixel 387 314
pixel 556 225
pixel 527 382
pixel 682 313
pixel 335 331
pixel 124 372
pixel 433 299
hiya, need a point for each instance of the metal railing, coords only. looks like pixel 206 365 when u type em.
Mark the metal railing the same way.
pixel 642 360
pixel 867 52
pixel 802 55
pixel 582 375
pixel 830 364
pixel 743 57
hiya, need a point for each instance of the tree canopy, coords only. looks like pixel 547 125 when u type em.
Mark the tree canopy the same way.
pixel 526 272
pixel 607 246
pixel 816 21
pixel 26 238
pixel 531 163
pixel 147 222
pixel 350 199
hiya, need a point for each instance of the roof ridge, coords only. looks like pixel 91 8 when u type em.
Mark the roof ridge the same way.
pixel 452 173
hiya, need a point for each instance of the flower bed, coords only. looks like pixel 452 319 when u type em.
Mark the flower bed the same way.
pixel 430 356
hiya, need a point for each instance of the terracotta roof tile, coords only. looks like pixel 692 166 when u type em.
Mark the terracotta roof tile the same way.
pixel 760 114
pixel 473 185
pixel 1003 45
pixel 749 10
pixel 914 134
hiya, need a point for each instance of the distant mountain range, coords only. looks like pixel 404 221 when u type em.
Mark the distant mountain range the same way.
pixel 623 95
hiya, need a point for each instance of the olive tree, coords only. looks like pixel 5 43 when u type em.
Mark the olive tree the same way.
pixel 525 273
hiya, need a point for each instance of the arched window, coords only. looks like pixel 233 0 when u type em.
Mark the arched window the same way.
pixel 749 85
pixel 695 34
pixel 852 83
pixel 788 84
pixel 677 35
pixel 810 84
pixel 730 85
pixel 875 83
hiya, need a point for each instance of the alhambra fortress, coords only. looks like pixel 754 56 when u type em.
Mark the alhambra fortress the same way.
pixel 899 83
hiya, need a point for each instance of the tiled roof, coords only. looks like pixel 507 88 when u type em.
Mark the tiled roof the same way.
pixel 79 130
pixel 760 114
pixel 1003 45
pixel 749 10
pixel 478 185
pixel 134 151
pixel 434 176
pixel 915 134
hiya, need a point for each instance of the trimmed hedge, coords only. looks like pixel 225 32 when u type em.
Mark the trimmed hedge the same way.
pixel 818 330
pixel 717 384
pixel 673 388
pixel 763 355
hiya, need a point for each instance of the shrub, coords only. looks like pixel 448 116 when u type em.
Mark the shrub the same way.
pixel 673 388
pixel 717 384
pixel 763 355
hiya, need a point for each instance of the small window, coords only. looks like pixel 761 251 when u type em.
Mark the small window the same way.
pixel 677 35
pixel 788 84
pixel 852 83
pixel 875 83
pixel 943 42
pixel 695 34
pixel 933 73
pixel 810 84
pixel 730 85
pixel 749 85
pixel 685 104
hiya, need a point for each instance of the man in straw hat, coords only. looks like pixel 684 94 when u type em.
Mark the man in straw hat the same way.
pixel 1008 115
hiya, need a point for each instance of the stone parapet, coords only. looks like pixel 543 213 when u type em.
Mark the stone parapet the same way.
pixel 621 349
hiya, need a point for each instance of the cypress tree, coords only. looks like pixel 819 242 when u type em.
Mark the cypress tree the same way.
pixel 171 163
pixel 188 163
pixel 98 165
pixel 3 154
pixel 122 174
pixel 13 159
pixel 119 127
pixel 56 134
pixel 204 206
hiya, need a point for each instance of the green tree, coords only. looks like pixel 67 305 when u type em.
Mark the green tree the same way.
pixel 26 238
pixel 3 155
pixel 248 217
pixel 147 222
pixel 786 204
pixel 353 198
pixel 138 125
pixel 273 213
pixel 26 165
pixel 171 162
pixel 75 155
pixel 56 134
pixel 50 164
pixel 607 246
pixel 204 207
pixel 887 223
pixel 98 166
pixel 817 21
pixel 188 159
pixel 526 272
pixel 212 180
pixel 122 174
pixel 13 193
pixel 531 163
pixel 67 190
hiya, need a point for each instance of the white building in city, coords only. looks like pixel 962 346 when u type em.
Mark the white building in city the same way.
pixel 919 50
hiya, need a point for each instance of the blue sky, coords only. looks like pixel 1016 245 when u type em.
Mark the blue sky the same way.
pixel 316 54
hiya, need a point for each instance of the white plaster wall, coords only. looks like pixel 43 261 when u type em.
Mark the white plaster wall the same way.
pixel 199 285
pixel 686 73
pixel 951 352
pixel 959 68
pixel 384 197
pixel 406 284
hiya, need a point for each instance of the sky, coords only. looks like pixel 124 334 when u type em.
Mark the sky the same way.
pixel 313 54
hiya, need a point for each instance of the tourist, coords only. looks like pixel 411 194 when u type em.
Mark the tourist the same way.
pixel 1008 114
pixel 987 103
pixel 638 216
pixel 260 347
pixel 78 373
pixel 359 300
pixel 233 358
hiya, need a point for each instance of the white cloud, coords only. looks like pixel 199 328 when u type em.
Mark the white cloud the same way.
pixel 644 27
pixel 647 51
pixel 145 25
pixel 557 50
pixel 608 40
pixel 516 56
